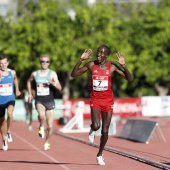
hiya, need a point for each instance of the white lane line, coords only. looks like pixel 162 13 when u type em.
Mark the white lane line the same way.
pixel 53 159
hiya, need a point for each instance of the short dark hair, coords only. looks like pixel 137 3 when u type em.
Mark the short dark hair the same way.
pixel 108 49
pixel 3 57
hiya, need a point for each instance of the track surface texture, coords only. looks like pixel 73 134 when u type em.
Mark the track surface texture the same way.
pixel 72 151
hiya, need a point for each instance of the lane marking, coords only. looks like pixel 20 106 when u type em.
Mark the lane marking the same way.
pixel 116 151
pixel 43 153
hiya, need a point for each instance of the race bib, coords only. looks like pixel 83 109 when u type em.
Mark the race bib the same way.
pixel 43 90
pixel 100 83
pixel 6 89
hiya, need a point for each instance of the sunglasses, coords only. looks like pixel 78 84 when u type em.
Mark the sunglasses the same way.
pixel 44 61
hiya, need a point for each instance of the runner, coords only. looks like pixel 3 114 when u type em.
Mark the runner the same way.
pixel 45 80
pixel 101 97
pixel 8 79
pixel 28 108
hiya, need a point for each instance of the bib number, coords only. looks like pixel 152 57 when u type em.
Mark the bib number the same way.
pixel 43 90
pixel 6 89
pixel 100 83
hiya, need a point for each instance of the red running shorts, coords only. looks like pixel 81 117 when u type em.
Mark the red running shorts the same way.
pixel 102 105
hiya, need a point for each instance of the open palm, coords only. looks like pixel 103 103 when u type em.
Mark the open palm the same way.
pixel 120 58
pixel 86 54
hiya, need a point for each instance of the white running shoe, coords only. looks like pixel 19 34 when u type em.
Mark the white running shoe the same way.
pixel 9 137
pixel 4 145
pixel 46 146
pixel 41 131
pixel 91 136
pixel 100 160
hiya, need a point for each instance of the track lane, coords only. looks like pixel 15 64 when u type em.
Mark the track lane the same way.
pixel 26 152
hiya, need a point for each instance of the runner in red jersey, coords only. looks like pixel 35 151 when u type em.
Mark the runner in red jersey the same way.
pixel 101 97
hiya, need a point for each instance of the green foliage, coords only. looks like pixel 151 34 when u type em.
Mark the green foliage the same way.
pixel 140 31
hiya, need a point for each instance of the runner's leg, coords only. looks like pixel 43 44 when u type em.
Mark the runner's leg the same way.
pixel 10 110
pixel 2 128
pixel 49 120
pixel 41 113
pixel 106 118
pixel 95 119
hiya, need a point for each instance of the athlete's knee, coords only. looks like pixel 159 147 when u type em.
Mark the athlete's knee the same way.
pixel 49 127
pixel 41 117
pixel 95 126
pixel 105 128
pixel 10 115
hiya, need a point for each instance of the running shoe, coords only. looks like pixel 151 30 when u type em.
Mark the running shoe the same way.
pixel 4 145
pixel 100 160
pixel 46 146
pixel 41 132
pixel 91 136
pixel 9 137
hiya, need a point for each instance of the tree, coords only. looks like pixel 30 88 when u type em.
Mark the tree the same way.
pixel 141 31
pixel 149 39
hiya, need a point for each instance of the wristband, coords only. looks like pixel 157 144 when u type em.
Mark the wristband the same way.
pixel 81 60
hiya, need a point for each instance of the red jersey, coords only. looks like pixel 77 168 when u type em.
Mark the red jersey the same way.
pixel 101 85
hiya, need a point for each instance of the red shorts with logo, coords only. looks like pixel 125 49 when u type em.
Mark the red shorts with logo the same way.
pixel 102 105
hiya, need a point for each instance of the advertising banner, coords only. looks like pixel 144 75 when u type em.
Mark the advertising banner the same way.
pixel 156 106
pixel 147 106
pixel 127 107
pixel 122 107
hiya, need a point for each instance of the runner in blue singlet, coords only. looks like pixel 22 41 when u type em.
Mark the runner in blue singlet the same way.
pixel 8 80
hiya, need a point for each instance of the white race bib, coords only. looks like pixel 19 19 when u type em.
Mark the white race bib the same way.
pixel 43 90
pixel 6 89
pixel 100 83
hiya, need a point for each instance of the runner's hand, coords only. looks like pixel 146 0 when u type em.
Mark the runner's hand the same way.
pixel 18 93
pixel 120 59
pixel 29 98
pixel 52 82
pixel 86 54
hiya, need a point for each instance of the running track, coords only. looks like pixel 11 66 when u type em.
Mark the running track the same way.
pixel 26 151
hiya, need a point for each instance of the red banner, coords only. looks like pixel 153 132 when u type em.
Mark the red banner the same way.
pixel 127 107
pixel 122 107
